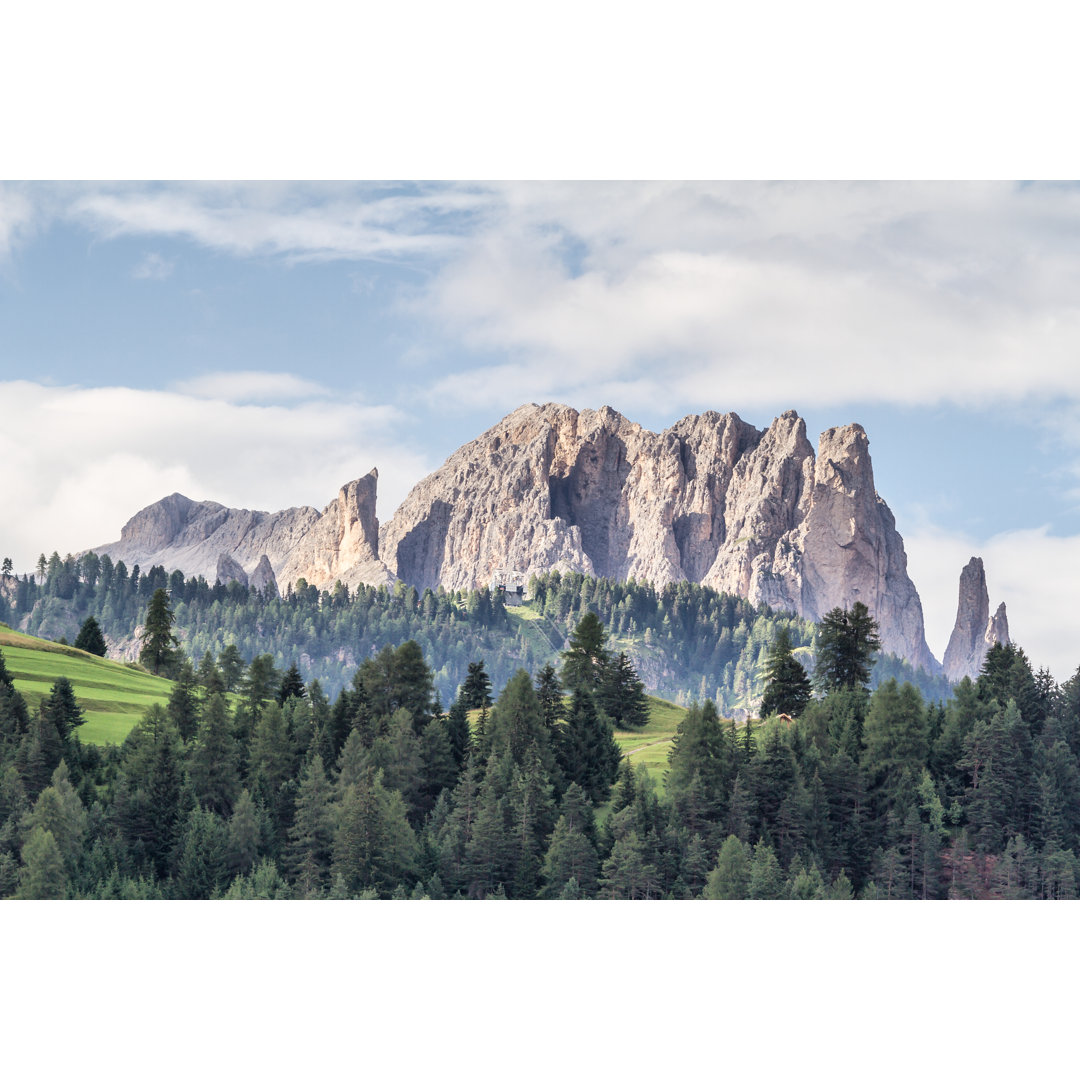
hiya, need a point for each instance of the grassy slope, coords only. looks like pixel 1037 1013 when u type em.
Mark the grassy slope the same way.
pixel 113 695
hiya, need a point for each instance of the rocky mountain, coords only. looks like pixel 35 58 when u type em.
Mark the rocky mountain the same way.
pixel 253 546
pixel 712 499
pixel 975 630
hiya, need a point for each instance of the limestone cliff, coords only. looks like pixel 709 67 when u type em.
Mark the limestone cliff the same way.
pixel 975 630
pixel 341 542
pixel 712 499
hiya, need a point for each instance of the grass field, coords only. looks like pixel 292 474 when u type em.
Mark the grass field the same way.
pixel 113 695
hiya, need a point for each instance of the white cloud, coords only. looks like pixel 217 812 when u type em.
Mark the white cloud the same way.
pixel 298 221
pixel 249 386
pixel 153 267
pixel 1030 570
pixel 739 295
pixel 79 462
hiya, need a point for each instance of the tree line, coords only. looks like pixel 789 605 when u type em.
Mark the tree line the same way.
pixel 252 783
pixel 687 641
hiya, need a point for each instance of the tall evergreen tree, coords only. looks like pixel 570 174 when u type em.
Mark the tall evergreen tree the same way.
pixel 476 689
pixel 588 754
pixel 621 694
pixel 587 657
pixel 90 638
pixel 847 642
pixel 158 652
pixel 787 688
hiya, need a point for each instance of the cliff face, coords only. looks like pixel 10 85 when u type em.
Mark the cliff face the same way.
pixel 975 630
pixel 712 499
pixel 215 541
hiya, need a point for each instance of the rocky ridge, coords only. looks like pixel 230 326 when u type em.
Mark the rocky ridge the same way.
pixel 341 543
pixel 975 630
pixel 712 499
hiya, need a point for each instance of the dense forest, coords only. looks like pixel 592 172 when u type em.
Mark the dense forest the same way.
pixel 253 784
pixel 688 642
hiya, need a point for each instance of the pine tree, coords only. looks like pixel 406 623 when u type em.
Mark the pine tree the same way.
pixel 730 878
pixel 700 767
pixel 183 707
pixel 847 642
pixel 787 688
pixel 458 732
pixel 621 694
pixel 476 689
pixel 292 685
pixel 43 876
pixel 586 659
pixel 587 752
pixel 310 848
pixel 213 763
pixel 90 638
pixel 158 652
pixel 62 709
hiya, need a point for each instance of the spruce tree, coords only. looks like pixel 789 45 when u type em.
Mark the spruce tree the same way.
pixel 476 689
pixel 847 642
pixel 586 659
pixel 787 687
pixel 90 638
pixel 158 652
pixel 621 694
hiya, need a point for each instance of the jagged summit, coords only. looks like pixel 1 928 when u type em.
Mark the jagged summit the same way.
pixel 231 545
pixel 712 499
pixel 975 630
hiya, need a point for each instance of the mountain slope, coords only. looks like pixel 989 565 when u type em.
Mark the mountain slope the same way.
pixel 113 695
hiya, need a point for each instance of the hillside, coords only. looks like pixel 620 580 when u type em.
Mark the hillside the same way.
pixel 114 696
pixel 687 641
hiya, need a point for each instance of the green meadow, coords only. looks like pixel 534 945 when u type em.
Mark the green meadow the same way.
pixel 114 696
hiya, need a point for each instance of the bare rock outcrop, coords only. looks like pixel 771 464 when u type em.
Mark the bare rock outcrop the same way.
pixel 712 499
pixel 343 545
pixel 975 629
pixel 263 576
pixel 229 570
pixel 180 534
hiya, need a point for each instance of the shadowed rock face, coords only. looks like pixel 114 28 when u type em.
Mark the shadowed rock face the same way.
pixel 975 630
pixel 712 499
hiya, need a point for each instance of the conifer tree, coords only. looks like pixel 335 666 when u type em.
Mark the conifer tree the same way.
pixel 158 652
pixel 587 657
pixel 621 694
pixel 310 848
pixel 587 752
pixel 292 685
pixel 787 687
pixel 847 642
pixel 43 876
pixel 90 638
pixel 476 689
pixel 62 709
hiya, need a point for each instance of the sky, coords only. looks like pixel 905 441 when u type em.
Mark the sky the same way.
pixel 260 344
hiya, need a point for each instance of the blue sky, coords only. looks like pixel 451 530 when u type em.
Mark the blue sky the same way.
pixel 261 344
